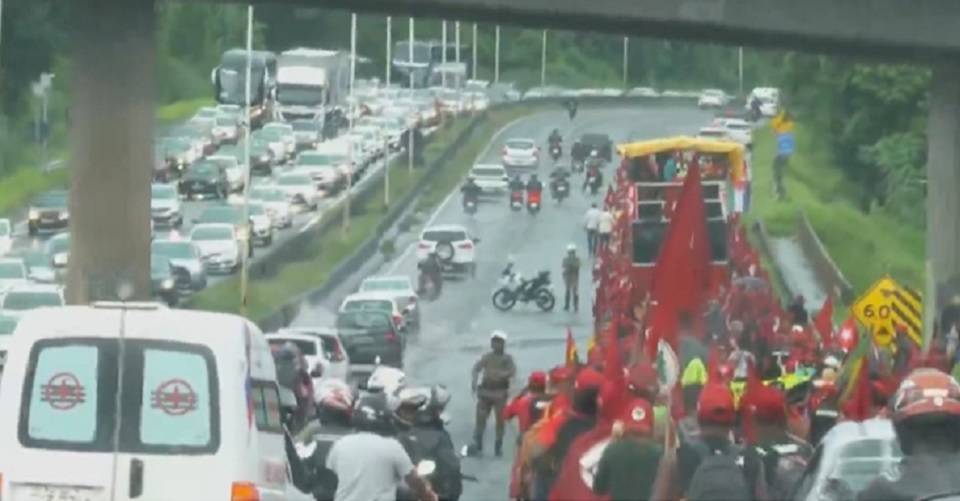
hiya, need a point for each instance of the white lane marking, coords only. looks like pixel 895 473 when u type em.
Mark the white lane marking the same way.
pixel 436 213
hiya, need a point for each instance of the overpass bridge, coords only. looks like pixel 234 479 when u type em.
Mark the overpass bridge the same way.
pixel 112 127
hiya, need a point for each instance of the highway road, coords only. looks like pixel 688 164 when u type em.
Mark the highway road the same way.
pixel 457 326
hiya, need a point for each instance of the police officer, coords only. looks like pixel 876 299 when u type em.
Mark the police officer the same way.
pixel 571 278
pixel 490 381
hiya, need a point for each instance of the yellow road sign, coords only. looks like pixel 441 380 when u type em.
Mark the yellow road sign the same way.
pixel 887 305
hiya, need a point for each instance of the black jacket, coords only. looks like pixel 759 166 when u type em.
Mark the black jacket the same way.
pixel 434 443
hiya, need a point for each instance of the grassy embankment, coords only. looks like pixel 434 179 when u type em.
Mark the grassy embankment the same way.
pixel 864 246
pixel 329 249
pixel 27 181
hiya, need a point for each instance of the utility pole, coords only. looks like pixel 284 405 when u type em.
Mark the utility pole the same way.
pixel 443 59
pixel 496 55
pixel 626 61
pixel 473 58
pixel 386 172
pixel 410 129
pixel 740 67
pixel 543 60
pixel 389 47
pixel 245 251
pixel 352 156
pixel 456 27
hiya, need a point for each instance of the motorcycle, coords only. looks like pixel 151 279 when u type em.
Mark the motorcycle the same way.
pixel 470 205
pixel 556 151
pixel 533 202
pixel 561 189
pixel 516 199
pixel 429 287
pixel 593 184
pixel 513 288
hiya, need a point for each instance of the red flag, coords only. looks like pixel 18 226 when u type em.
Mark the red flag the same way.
pixel 572 358
pixel 824 321
pixel 569 484
pixel 860 406
pixel 680 277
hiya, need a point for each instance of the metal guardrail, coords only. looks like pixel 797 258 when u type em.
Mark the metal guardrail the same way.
pixel 826 270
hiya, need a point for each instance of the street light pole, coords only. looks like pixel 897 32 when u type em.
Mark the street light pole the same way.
pixel 473 56
pixel 740 67
pixel 410 129
pixel 245 252
pixel 443 58
pixel 389 46
pixel 543 60
pixel 456 28
pixel 496 55
pixel 353 104
pixel 626 61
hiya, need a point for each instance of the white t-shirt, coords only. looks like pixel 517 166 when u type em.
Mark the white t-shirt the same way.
pixel 605 222
pixel 592 218
pixel 368 467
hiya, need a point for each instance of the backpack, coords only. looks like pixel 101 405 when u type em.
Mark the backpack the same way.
pixel 781 466
pixel 719 478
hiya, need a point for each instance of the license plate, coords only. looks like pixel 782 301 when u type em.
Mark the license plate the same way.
pixel 56 493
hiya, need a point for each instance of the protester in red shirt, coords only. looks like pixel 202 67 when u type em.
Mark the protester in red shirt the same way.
pixel 527 407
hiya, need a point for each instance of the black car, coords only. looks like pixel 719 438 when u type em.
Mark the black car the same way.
pixel 49 212
pixel 166 280
pixel 205 180
pixel 369 335
pixel 589 142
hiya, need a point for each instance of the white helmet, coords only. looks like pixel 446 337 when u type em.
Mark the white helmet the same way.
pixel 571 247
pixel 594 153
pixel 498 334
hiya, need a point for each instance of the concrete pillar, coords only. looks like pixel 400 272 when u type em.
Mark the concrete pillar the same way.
pixel 112 115
pixel 943 175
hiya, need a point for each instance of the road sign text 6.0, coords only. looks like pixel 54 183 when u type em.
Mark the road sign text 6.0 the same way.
pixel 883 312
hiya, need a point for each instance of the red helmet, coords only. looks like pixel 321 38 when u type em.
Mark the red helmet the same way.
pixel 926 392
pixel 537 380
pixel 848 337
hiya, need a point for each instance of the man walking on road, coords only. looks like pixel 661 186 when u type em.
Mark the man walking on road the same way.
pixel 571 278
pixel 590 221
pixel 604 228
pixel 494 370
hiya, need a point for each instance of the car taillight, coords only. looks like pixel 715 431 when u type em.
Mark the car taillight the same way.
pixel 397 319
pixel 424 245
pixel 504 152
pixel 465 245
pixel 244 491
pixel 391 336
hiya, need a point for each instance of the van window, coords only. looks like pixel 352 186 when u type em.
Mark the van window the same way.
pixel 169 401
pixel 63 394
pixel 175 405
pixel 266 403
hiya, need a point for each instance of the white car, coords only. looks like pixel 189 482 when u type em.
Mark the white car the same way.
pixel 300 189
pixel 58 248
pixel 374 138
pixel 13 272
pixel 476 101
pixel 226 129
pixel 376 301
pixel 320 346
pixel 402 290
pixel 521 153
pixel 165 205
pixel 219 246
pixel 6 236
pixel 454 246
pixel 287 133
pixel 490 177
pixel 643 92
pixel 21 298
pixel 261 225
pixel 276 204
pixel 233 169
pixel 322 167
pixel 738 129
pixel 712 98
pixel 715 133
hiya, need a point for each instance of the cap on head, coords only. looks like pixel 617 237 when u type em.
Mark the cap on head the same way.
pixel 560 374
pixel 637 416
pixel 498 334
pixel 716 405
pixel 588 379
pixel 769 405
pixel 537 380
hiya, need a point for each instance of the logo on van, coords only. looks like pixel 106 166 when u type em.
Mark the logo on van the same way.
pixel 174 397
pixel 63 392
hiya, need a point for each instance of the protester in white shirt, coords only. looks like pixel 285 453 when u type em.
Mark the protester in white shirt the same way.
pixel 591 220
pixel 604 228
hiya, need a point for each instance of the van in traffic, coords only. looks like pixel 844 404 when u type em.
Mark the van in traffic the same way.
pixel 136 401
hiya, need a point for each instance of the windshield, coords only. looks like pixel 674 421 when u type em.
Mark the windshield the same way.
pixel 221 215
pixel 385 285
pixel 28 300
pixel 204 169
pixel 226 121
pixel 268 195
pixel 174 250
pixel 305 126
pixel 4 228
pixel 302 95
pixel 294 181
pixel 444 236
pixel 12 270
pixel 488 172
pixel 363 320
pixel 233 89
pixel 318 159
pixel 306 347
pixel 520 144
pixel 205 234
pixel 58 245
pixel 163 192
pixel 368 305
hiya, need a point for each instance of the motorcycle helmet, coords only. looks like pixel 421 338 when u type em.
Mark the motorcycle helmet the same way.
pixel 926 408
pixel 498 334
pixel 408 404
pixel 571 247
pixel 334 401
pixel 373 415
pixel 594 154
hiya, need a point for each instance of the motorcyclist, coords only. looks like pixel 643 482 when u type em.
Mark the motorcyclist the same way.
pixel 432 270
pixel 470 190
pixel 334 412
pixel 516 184
pixel 559 176
pixel 292 374
pixel 594 160
pixel 555 138
pixel 534 185
pixel 594 178
pixel 490 381
pixel 926 415
pixel 421 430
pixel 370 464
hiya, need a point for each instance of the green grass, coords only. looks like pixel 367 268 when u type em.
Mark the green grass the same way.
pixel 181 110
pixel 330 248
pixel 17 189
pixel 864 246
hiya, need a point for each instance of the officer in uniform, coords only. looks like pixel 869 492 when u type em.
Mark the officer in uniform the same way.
pixel 490 382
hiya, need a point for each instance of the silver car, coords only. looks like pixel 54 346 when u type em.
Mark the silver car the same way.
pixel 183 254
pixel 521 153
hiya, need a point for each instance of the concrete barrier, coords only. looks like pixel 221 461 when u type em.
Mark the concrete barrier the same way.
pixel 827 272
pixel 762 238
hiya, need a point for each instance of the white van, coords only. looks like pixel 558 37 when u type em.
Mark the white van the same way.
pixel 139 402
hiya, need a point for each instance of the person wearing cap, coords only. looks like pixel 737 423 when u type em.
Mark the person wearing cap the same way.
pixel 716 416
pixel 571 278
pixel 629 464
pixel 774 451
pixel 529 405
pixel 490 382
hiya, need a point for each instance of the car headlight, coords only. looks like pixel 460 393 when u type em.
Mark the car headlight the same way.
pixel 167 283
pixel 34 214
